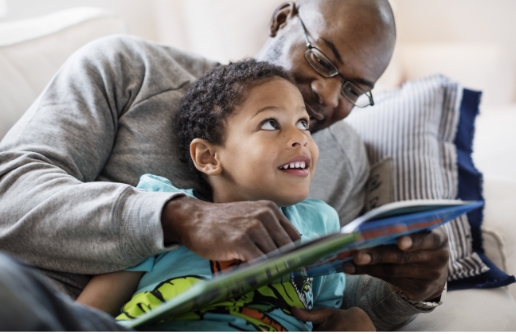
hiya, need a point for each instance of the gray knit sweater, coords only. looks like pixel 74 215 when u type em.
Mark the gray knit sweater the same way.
pixel 69 166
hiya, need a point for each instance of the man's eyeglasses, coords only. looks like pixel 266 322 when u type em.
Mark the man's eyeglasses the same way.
pixel 324 66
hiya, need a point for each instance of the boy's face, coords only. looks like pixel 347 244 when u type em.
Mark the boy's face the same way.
pixel 268 151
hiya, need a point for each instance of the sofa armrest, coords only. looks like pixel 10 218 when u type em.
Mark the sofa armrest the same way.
pixel 499 227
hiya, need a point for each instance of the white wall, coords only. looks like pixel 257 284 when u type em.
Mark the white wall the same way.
pixel 472 41
pixel 139 15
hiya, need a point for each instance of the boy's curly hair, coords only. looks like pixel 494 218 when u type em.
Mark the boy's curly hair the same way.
pixel 211 99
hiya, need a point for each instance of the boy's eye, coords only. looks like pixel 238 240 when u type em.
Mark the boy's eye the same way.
pixel 270 125
pixel 302 124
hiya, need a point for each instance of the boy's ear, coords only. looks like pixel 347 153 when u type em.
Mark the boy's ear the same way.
pixel 205 157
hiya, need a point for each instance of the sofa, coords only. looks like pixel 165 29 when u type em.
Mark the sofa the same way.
pixel 31 51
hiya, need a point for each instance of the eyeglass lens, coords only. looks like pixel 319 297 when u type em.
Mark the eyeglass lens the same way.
pixel 325 67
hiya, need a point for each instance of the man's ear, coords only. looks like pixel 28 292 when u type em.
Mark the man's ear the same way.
pixel 280 16
pixel 205 157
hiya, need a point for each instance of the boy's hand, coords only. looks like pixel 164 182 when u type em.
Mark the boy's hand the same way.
pixel 418 264
pixel 226 231
pixel 330 319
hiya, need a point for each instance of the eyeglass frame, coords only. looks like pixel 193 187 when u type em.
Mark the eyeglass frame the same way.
pixel 309 46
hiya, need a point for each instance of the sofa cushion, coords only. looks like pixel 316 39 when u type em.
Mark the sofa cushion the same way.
pixel 418 127
pixel 486 310
pixel 31 52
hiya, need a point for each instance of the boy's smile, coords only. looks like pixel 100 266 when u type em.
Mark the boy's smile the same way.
pixel 268 152
pixel 298 166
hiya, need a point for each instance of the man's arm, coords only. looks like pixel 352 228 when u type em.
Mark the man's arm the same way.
pixel 67 166
pixel 53 214
pixel 386 308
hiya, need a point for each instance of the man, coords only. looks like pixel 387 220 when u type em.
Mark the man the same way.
pixel 105 118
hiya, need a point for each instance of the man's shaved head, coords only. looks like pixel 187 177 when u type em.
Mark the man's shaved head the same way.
pixel 377 11
pixel 358 36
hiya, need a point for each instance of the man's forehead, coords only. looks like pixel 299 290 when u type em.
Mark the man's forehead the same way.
pixel 355 37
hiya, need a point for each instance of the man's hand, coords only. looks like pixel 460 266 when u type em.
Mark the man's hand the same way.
pixel 417 265
pixel 226 231
pixel 329 319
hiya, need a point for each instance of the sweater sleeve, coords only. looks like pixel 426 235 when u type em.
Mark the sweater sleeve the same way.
pixel 54 211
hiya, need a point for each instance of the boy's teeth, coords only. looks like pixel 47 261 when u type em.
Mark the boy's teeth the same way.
pixel 299 164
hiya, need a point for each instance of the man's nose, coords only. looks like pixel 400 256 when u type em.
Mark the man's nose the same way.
pixel 327 90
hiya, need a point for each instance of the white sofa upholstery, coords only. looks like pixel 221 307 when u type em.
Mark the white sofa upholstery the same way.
pixel 32 51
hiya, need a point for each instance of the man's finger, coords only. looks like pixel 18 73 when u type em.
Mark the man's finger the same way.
pixel 416 271
pixel 292 232
pixel 434 239
pixel 392 255
pixel 249 251
pixel 261 236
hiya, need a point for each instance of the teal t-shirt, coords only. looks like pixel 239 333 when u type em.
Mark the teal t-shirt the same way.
pixel 267 309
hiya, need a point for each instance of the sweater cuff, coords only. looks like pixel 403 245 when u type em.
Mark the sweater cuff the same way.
pixel 141 230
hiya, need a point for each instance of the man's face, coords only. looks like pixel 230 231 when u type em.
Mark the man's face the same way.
pixel 268 152
pixel 359 48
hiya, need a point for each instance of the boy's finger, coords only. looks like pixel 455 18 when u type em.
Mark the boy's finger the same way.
pixel 314 315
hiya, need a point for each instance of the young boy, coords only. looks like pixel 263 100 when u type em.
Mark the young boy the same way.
pixel 243 129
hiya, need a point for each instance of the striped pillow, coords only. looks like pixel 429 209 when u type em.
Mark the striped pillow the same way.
pixel 416 126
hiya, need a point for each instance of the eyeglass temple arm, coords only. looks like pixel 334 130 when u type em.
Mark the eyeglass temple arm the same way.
pixel 305 33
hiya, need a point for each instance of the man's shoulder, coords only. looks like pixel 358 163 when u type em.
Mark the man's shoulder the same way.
pixel 120 49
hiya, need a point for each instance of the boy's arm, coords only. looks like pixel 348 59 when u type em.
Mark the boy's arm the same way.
pixel 108 292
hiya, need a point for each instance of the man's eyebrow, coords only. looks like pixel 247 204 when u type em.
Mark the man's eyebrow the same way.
pixel 333 49
pixel 337 56
pixel 363 82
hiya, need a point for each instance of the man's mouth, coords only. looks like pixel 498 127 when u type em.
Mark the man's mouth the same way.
pixel 315 118
pixel 314 115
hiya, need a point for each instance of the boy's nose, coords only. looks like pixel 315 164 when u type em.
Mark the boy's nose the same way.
pixel 298 138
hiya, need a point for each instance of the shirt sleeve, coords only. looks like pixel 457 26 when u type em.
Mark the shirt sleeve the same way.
pixel 145 266
pixel 329 290
pixel 386 308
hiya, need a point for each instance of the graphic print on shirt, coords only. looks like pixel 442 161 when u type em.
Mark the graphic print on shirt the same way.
pixel 253 307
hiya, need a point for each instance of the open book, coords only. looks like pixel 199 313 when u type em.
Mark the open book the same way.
pixel 321 256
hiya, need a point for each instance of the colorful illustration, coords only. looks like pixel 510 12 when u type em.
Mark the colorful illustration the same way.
pixel 254 307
